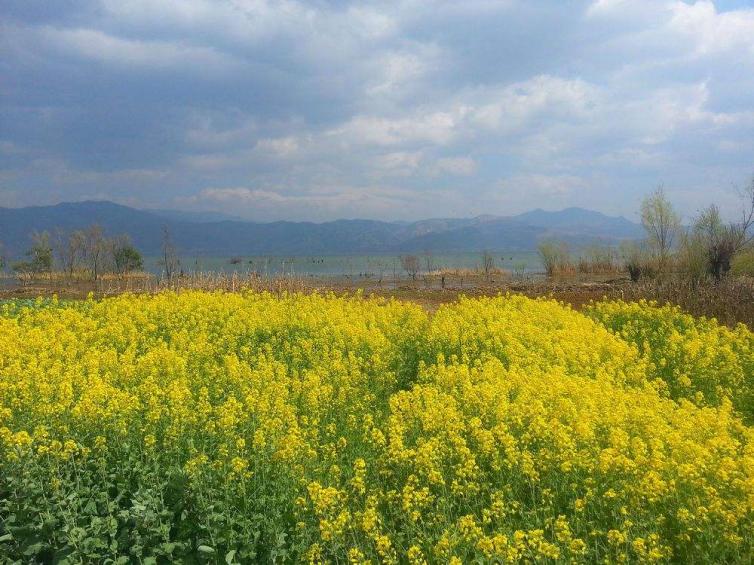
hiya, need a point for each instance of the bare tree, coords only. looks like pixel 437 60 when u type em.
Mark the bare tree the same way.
pixel 747 213
pixel 488 263
pixel 169 260
pixel 722 241
pixel 3 260
pixel 555 257
pixel 95 249
pixel 429 262
pixel 69 250
pixel 380 268
pixel 661 222
pixel 410 264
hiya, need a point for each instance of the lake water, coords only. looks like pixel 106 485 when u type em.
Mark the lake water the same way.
pixel 347 265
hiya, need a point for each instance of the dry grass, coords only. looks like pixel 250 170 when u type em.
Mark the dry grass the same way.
pixel 730 301
pixel 598 267
pixel 476 272
pixel 137 283
pixel 207 281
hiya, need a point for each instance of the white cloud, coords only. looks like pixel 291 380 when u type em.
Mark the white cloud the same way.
pixel 397 72
pixel 534 187
pixel 511 107
pixel 710 31
pixel 239 195
pixel 436 128
pixel 456 166
pixel 207 130
pixel 279 147
pixel 505 109
pixel 349 108
pixel 243 21
pixel 398 163
pixel 376 201
pixel 370 21
pixel 158 55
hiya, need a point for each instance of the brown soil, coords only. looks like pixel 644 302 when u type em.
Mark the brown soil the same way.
pixel 428 293
pixel 731 301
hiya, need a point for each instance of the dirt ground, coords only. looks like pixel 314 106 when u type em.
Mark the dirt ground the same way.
pixel 730 301
pixel 428 293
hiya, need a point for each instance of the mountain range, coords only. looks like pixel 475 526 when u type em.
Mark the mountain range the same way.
pixel 215 234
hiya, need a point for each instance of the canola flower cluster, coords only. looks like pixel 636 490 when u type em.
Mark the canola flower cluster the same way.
pixel 692 358
pixel 238 428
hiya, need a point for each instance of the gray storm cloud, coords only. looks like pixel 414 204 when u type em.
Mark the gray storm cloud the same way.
pixel 389 110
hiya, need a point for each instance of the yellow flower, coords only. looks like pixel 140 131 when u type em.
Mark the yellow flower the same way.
pixel 500 429
pixel 415 556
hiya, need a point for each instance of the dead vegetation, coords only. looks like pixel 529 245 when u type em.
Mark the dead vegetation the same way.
pixel 731 300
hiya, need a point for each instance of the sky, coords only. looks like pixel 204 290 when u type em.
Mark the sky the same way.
pixel 393 110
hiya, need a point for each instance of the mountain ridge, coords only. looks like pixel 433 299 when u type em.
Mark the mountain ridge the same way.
pixel 210 233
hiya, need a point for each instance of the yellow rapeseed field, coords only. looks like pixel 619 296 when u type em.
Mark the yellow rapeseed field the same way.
pixel 241 428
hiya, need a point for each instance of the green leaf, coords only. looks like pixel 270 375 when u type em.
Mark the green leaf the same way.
pixel 205 549
pixel 230 556
pixel 6 537
pixel 34 549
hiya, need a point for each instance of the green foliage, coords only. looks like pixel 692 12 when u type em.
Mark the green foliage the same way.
pixel 719 242
pixel 555 257
pixel 234 428
pixel 661 222
pixel 692 258
pixel 40 256
pixel 743 264
pixel 127 259
pixel 694 358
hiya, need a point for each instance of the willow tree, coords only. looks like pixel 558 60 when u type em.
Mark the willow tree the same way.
pixel 722 241
pixel 662 224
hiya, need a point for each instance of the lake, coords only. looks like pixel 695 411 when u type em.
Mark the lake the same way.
pixel 348 265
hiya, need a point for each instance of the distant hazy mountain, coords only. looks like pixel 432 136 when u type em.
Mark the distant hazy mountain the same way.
pixel 581 221
pixel 198 217
pixel 217 234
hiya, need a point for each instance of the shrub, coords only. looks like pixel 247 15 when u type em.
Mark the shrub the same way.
pixel 555 257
